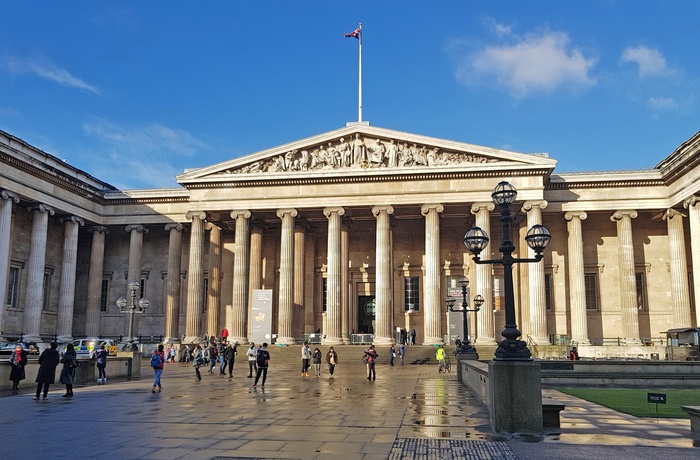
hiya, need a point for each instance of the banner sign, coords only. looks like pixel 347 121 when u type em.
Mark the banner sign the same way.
pixel 262 316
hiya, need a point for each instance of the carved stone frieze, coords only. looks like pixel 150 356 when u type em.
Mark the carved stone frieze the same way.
pixel 359 153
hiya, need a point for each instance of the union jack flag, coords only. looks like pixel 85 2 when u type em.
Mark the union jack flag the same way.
pixel 355 33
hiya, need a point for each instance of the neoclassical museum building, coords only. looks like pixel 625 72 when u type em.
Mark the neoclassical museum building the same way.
pixel 355 230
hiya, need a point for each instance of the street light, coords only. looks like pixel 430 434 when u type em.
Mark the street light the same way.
pixel 131 309
pixel 537 238
pixel 466 346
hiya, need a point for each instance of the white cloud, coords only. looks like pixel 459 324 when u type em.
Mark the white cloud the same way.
pixel 663 103
pixel 49 71
pixel 650 61
pixel 535 63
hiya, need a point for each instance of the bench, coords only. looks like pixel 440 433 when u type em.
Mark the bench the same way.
pixel 694 413
pixel 550 412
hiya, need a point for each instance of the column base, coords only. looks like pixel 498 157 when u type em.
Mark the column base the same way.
pixel 64 339
pixel 192 339
pixel 32 338
pixel 485 341
pixel 240 340
pixel 383 341
pixel 540 340
pixel 433 341
pixel 286 341
pixel 632 342
pixel 582 342
pixel 332 341
pixel 172 340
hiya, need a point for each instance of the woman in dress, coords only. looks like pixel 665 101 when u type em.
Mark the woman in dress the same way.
pixel 18 360
pixel 70 363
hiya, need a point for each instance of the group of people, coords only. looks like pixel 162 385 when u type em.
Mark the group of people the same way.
pixel 317 357
pixel 407 337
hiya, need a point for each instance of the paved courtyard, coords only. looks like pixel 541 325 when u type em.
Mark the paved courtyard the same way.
pixel 409 412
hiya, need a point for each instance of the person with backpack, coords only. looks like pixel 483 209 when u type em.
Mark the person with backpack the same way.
pixel 252 354
pixel 370 359
pixel 263 362
pixel 157 363
pixel 101 356
pixel 305 359
pixel 221 352
pixel 213 355
pixel 197 360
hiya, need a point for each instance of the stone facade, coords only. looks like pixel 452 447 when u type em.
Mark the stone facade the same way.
pixel 354 217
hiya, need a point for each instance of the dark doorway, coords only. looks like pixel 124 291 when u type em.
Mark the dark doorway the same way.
pixel 365 314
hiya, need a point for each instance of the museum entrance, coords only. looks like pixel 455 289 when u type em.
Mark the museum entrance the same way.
pixel 365 314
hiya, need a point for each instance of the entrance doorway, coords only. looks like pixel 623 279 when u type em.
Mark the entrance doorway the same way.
pixel 365 314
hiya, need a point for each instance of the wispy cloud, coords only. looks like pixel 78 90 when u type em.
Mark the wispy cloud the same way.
pixel 650 61
pixel 148 153
pixel 663 103
pixel 524 65
pixel 47 70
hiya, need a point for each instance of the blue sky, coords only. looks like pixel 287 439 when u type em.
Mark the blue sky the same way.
pixel 136 92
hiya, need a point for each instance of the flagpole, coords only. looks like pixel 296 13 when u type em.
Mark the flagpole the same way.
pixel 359 106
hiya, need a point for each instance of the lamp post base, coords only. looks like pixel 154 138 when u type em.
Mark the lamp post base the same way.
pixel 512 350
pixel 466 351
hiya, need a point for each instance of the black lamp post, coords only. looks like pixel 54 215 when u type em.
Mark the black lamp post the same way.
pixel 466 346
pixel 131 309
pixel 537 238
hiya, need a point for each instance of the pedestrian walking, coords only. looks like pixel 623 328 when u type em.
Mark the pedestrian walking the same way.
pixel 413 336
pixel 157 363
pixel 317 357
pixel 263 362
pixel 221 351
pixel 370 359
pixel 101 356
pixel 573 354
pixel 402 352
pixel 332 360
pixel 197 360
pixel 70 363
pixel 230 353
pixel 224 334
pixel 305 359
pixel 392 355
pixel 252 354
pixel 213 355
pixel 18 360
pixel 173 354
pixel 48 361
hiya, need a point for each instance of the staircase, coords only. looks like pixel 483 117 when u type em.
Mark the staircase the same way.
pixel 291 354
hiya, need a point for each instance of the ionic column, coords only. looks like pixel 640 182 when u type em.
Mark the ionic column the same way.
pixel 485 323
pixel 255 271
pixel 345 279
pixel 577 285
pixel 333 293
pixel 95 276
pixel 383 312
pixel 34 299
pixel 66 298
pixel 432 302
pixel 134 273
pixel 628 281
pixel 538 306
pixel 6 199
pixel 299 277
pixel 692 204
pixel 172 284
pixel 237 325
pixel 214 290
pixel 679 269
pixel 195 275
pixel 286 289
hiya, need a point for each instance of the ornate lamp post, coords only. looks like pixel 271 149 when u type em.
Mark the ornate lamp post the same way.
pixel 466 346
pixel 537 238
pixel 131 309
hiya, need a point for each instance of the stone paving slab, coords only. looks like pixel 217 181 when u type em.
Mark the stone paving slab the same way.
pixel 410 412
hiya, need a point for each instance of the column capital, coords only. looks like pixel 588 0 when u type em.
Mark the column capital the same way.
pixel 376 210
pixel 670 213
pixel 479 206
pixel 136 227
pixel 291 211
pixel 191 215
pixel 211 226
pixel 619 215
pixel 236 213
pixel 178 227
pixel 571 215
pixel 426 208
pixel 7 195
pixel 691 201
pixel 42 208
pixel 529 205
pixel 74 219
pixel 334 210
pixel 98 229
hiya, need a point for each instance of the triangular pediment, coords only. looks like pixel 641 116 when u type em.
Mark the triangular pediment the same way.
pixel 360 150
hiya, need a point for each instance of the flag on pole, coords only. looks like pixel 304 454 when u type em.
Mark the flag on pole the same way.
pixel 355 33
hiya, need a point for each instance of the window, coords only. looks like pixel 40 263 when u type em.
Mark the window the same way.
pixel 205 293
pixel 104 294
pixel 591 284
pixel 411 293
pixel 13 287
pixel 691 290
pixel 641 283
pixel 548 291
pixel 324 293
pixel 47 288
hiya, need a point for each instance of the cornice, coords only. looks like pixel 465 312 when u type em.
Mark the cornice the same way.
pixel 597 184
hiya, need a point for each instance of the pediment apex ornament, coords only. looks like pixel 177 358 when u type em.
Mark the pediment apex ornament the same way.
pixel 360 152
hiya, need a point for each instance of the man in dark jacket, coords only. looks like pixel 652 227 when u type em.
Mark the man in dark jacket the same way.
pixel 48 361
pixel 230 355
